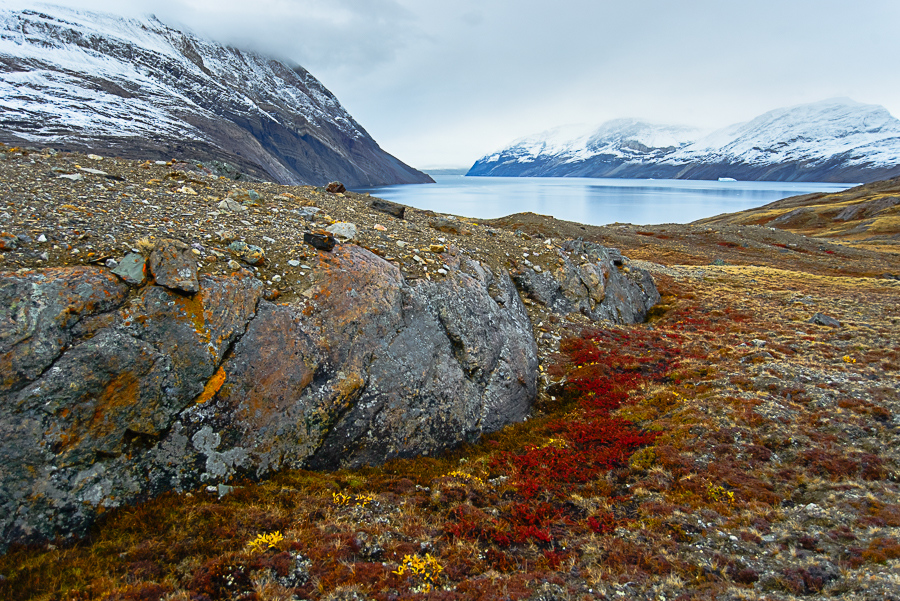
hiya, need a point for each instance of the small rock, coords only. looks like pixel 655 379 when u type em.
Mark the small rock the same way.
pixel 401 243
pixel 718 262
pixel 248 253
pixel 437 248
pixel 42 238
pixel 391 208
pixel 174 266
pixel 294 263
pixel 268 240
pixel 307 212
pixel 320 239
pixel 93 171
pixel 442 271
pixel 758 343
pixel 447 226
pixel 72 176
pixel 380 228
pixel 8 241
pixel 271 294
pixel 132 269
pixel 232 264
pixel 232 205
pixel 335 188
pixel 95 157
pixel 253 194
pixel 343 230
pixel 825 320
pixel 537 268
pixel 187 190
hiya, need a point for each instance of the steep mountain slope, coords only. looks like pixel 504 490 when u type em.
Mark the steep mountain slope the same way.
pixel 835 140
pixel 137 88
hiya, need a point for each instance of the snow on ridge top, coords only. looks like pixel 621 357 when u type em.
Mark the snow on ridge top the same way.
pixel 579 142
pixel 132 51
pixel 861 134
pixel 815 131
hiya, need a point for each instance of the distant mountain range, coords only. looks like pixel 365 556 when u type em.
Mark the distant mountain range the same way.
pixel 836 140
pixel 137 88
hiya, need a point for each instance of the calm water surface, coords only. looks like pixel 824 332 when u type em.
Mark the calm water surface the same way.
pixel 593 201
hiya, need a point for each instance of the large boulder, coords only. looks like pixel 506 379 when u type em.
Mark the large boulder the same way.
pixel 593 280
pixel 106 402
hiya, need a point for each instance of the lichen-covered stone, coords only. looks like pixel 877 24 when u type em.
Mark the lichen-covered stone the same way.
pixel 119 402
pixel 132 269
pixel 592 280
pixel 174 266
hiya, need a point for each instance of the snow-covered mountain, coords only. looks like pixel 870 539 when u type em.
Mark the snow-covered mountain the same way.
pixel 137 88
pixel 835 140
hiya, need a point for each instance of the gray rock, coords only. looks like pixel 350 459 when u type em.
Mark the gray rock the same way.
pixel 174 266
pixel 248 253
pixel 821 319
pixel 448 226
pixel 105 403
pixel 343 230
pixel 391 208
pixel 39 312
pixel 594 287
pixel 132 269
pixel 229 204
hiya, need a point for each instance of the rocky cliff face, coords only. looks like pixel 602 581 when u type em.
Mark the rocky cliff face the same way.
pixel 81 80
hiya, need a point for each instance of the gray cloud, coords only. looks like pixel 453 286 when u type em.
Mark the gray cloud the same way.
pixel 440 83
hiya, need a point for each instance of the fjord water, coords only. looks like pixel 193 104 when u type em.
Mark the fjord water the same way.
pixel 593 201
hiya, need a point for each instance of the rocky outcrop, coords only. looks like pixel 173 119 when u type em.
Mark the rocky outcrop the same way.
pixel 592 280
pixel 113 394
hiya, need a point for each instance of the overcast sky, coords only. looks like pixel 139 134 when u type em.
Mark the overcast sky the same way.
pixel 442 82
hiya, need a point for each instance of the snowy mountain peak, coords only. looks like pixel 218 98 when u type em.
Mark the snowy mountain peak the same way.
pixel 832 140
pixel 93 80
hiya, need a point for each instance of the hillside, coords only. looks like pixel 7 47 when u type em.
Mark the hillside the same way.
pixel 836 140
pixel 740 444
pixel 137 88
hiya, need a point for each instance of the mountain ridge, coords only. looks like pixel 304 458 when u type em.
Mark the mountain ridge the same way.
pixel 835 140
pixel 73 79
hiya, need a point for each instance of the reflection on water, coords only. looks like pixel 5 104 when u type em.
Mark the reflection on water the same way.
pixel 593 201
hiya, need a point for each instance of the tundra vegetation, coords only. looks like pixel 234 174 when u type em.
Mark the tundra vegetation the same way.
pixel 729 448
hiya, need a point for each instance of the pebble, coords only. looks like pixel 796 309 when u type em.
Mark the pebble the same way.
pixel 294 263
pixel 42 238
